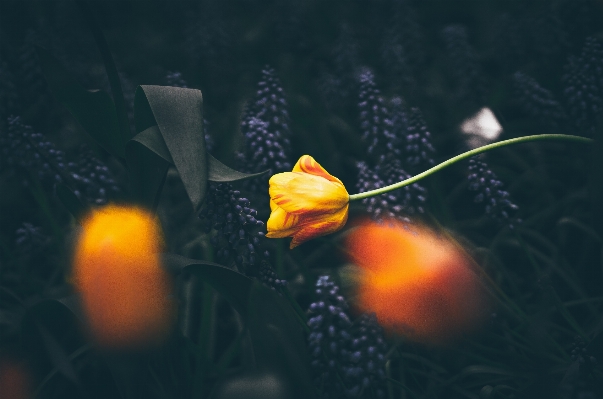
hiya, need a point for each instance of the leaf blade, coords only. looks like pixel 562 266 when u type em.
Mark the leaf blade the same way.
pixel 178 113
pixel 93 109
pixel 218 172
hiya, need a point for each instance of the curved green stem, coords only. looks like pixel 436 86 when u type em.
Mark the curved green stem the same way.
pixel 465 155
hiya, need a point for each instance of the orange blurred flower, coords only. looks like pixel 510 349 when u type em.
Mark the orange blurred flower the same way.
pixel 306 203
pixel 419 284
pixel 118 274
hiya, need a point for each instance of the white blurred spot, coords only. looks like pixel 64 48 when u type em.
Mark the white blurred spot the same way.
pixel 482 128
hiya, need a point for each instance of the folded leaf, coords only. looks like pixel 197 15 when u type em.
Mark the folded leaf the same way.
pixel 218 172
pixel 147 172
pixel 178 113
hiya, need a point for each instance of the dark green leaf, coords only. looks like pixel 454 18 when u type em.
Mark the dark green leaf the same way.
pixel 77 209
pixel 147 180
pixel 147 172
pixel 178 113
pixel 234 286
pixel 219 172
pixel 93 109
pixel 110 68
pixel 151 138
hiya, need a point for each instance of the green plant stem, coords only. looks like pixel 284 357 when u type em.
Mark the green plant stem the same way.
pixel 280 255
pixel 525 249
pixel 299 313
pixel 39 195
pixel 562 309
pixel 78 352
pixel 203 343
pixel 388 374
pixel 465 155
pixel 399 385
pixel 111 69
pixel 229 354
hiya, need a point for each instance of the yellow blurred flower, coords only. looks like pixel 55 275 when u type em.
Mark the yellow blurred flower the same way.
pixel 118 274
pixel 306 203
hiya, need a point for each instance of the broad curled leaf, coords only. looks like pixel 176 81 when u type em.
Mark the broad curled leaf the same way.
pixel 152 139
pixel 178 114
pixel 147 172
pixel 217 171
pixel 93 109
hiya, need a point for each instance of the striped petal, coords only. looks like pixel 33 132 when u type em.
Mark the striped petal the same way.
pixel 318 227
pixel 301 193
pixel 281 224
pixel 307 164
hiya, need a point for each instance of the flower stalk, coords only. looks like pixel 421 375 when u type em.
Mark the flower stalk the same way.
pixel 465 155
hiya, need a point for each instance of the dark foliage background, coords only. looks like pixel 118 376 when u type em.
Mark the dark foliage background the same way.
pixel 344 80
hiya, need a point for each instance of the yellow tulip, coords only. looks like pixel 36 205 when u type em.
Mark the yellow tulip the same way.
pixel 306 203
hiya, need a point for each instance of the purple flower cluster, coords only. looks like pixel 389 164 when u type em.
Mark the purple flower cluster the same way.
pixel 583 85
pixel 490 192
pixel 237 236
pixel 377 129
pixel 266 132
pixel 464 64
pixel 400 204
pixel 348 358
pixel 29 153
pixel 410 126
pixel 390 138
pixel 537 101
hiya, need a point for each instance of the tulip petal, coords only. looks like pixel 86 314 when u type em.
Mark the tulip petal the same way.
pixel 318 227
pixel 301 193
pixel 281 224
pixel 307 164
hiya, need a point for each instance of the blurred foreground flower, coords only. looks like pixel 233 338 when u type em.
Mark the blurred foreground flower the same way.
pixel 118 274
pixel 417 283
pixel 306 203
pixel 15 381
